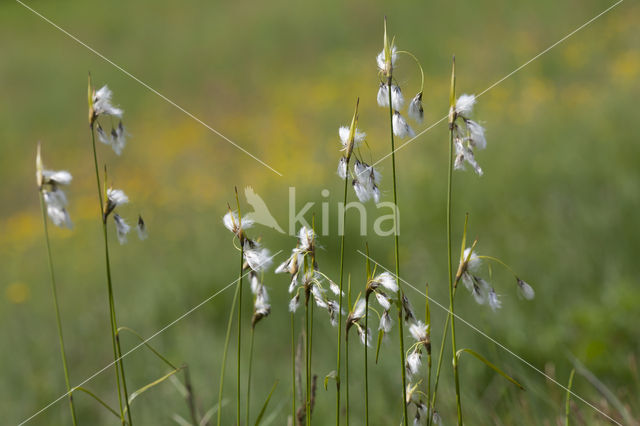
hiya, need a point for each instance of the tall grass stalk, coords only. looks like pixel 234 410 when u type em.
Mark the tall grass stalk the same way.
pixel 115 340
pixel 253 329
pixel 397 243
pixel 366 340
pixel 567 408
pixel 307 366
pixel 342 242
pixel 452 99
pixel 346 351
pixel 54 291
pixel 239 347
pixel 427 320
pixel 293 370
pixel 227 338
pixel 354 121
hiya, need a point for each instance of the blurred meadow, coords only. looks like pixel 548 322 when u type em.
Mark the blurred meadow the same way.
pixel 558 201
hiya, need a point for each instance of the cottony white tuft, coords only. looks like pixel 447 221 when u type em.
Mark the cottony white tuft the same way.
pixel 122 228
pixel 414 361
pixel 416 112
pixel 256 256
pixel 385 322
pixel 102 103
pixel 342 168
pixel 400 126
pixel 494 300
pixel 419 331
pixel 383 301
pixel 525 290
pixel 464 104
pixel 477 138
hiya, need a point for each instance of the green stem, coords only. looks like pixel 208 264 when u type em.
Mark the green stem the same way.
pixel 366 367
pixel 346 371
pixel 342 241
pixel 441 354
pixel 227 338
pixel 567 409
pixel 293 372
pixel 397 253
pixel 308 377
pixel 112 318
pixel 239 334
pixel 57 309
pixel 450 264
pixel 190 397
pixel 427 317
pixel 249 375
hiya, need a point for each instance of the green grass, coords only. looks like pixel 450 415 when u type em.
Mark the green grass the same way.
pixel 558 201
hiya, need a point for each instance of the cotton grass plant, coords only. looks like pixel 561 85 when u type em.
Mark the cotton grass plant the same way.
pixel 53 203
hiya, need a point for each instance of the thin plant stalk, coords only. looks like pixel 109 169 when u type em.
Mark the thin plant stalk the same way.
pixel 366 347
pixel 450 265
pixel 238 351
pixel 346 351
pixel 112 314
pixel 366 364
pixel 239 335
pixel 427 319
pixel 293 371
pixel 446 324
pixel 308 376
pixel 249 375
pixel 567 409
pixel 57 309
pixel 227 338
pixel 397 258
pixel 342 241
pixel 346 371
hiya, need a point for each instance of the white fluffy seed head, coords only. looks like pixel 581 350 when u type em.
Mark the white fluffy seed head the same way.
pixel 256 256
pixel 397 100
pixel 294 303
pixel 142 229
pixel 383 301
pixel 101 101
pixel 232 222
pixel 494 300
pixel 59 216
pixel 416 112
pixel 476 131
pixel 464 104
pixel 342 168
pixel 61 177
pixel 122 228
pixel 117 197
pixel 474 263
pixel 334 288
pixel 385 322
pixel 358 310
pixel 525 290
pixel 419 331
pixel 400 126
pixel 413 363
pixel 383 95
pixel 388 281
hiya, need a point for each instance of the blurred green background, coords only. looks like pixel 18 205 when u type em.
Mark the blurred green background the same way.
pixel 558 201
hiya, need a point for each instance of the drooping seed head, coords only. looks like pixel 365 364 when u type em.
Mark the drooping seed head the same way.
pixel 525 289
